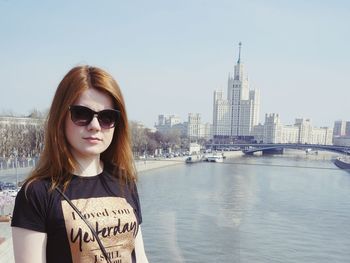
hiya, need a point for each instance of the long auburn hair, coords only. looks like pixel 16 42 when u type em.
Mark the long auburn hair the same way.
pixel 56 162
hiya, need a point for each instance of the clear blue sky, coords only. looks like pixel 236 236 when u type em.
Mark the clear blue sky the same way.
pixel 169 56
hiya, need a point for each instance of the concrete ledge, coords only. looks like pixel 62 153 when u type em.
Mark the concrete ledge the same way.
pixel 150 164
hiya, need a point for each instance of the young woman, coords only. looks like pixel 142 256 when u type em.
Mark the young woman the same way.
pixel 87 156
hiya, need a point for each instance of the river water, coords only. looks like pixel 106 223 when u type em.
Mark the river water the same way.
pixel 283 208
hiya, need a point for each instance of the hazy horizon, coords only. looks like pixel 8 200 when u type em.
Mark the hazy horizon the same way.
pixel 169 57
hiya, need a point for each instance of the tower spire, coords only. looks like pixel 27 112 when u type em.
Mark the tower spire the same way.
pixel 239 54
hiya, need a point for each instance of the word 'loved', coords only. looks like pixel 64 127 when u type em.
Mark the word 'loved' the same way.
pixel 103 213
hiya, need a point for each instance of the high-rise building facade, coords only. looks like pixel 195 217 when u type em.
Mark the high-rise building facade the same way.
pixel 196 129
pixel 272 128
pixel 239 112
pixel 347 128
pixel 221 114
pixel 341 133
pixel 194 125
pixel 339 128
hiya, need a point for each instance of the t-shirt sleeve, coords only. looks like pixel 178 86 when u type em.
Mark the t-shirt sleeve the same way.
pixel 136 201
pixel 30 209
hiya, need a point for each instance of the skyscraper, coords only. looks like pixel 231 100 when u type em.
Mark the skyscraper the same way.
pixel 221 115
pixel 236 115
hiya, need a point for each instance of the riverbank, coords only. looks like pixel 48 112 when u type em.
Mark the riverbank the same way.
pixel 151 164
pixel 141 166
pixel 9 175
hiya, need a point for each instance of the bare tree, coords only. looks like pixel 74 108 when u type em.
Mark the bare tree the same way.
pixel 22 137
pixel 138 138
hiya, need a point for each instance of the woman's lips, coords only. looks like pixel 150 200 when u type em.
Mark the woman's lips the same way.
pixel 92 139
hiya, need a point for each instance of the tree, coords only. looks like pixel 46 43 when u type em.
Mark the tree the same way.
pixel 138 138
pixel 36 114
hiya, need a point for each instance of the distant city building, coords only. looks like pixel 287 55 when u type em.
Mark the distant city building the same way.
pixel 206 130
pixel 339 128
pixel 322 135
pixel 167 122
pixel 196 129
pixel 272 129
pixel 221 115
pixel 236 118
pixel 347 128
pixel 194 125
pixel 193 128
pixel 305 130
pixel 290 134
pixel 239 112
pixel 341 133
pixel 301 132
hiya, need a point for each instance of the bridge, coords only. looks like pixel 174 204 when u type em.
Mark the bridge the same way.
pixel 251 148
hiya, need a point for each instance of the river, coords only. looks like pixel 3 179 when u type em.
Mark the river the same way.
pixel 283 208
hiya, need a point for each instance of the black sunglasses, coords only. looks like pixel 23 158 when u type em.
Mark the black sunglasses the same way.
pixel 82 116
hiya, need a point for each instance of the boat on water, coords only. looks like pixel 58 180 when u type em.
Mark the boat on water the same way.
pixel 217 158
pixel 194 159
pixel 311 151
pixel 343 162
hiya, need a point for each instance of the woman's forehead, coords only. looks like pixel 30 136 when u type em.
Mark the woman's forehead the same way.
pixel 95 99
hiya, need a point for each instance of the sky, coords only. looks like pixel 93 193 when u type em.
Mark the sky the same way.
pixel 169 56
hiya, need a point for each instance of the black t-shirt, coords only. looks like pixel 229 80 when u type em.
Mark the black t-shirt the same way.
pixel 113 212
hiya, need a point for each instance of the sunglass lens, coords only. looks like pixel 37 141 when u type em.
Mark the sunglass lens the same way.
pixel 107 118
pixel 81 116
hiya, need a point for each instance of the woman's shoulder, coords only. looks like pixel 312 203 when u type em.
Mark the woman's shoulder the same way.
pixel 111 171
pixel 115 174
pixel 37 187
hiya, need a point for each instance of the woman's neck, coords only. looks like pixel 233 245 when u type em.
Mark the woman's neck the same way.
pixel 89 167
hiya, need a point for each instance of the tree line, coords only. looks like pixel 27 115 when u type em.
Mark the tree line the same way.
pixel 147 142
pixel 25 141
pixel 21 142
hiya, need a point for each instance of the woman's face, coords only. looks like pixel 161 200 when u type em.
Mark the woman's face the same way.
pixel 88 142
